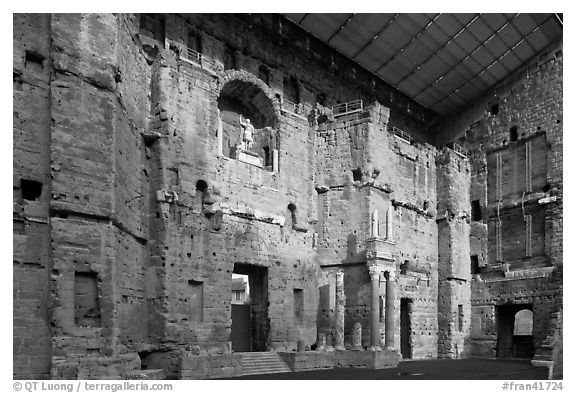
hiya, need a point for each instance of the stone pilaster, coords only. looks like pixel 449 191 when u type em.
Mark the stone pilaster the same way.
pixel 374 309
pixel 339 314
pixel 389 313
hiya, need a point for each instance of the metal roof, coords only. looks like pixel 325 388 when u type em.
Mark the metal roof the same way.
pixel 442 61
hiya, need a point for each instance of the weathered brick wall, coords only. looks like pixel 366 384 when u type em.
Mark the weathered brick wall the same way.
pixel 531 102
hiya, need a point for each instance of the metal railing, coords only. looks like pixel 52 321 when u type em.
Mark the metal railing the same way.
pixel 290 106
pixel 458 148
pixel 347 108
pixel 400 133
pixel 198 58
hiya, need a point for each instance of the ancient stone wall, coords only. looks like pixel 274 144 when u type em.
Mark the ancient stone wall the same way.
pixel 514 138
pixel 31 183
pixel 453 220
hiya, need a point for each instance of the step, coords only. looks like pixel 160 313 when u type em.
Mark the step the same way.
pixel 255 363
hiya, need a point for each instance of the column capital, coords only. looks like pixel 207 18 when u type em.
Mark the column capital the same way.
pixel 391 275
pixel 375 271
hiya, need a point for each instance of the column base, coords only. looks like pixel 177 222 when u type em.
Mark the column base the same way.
pixel 374 348
pixel 339 348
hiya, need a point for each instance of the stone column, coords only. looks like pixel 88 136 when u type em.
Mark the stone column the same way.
pixel 220 134
pixel 274 160
pixel 374 230
pixel 339 314
pixel 389 313
pixel 389 222
pixel 374 309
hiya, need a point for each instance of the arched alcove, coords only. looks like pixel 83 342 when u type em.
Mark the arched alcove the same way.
pixel 248 120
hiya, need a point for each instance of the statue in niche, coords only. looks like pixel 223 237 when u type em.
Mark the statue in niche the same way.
pixel 247 133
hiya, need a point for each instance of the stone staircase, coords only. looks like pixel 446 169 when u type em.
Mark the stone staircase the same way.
pixel 254 363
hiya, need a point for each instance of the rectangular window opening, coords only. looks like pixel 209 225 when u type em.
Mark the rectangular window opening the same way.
pixel 86 300
pixel 298 304
pixel 476 210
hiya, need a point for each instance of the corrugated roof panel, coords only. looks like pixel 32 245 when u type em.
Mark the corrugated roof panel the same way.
pixel 464 19
pixel 383 48
pixel 437 67
pixel 319 26
pixel 295 17
pixel 482 56
pixel 417 52
pixel 469 90
pixel 510 60
pixel 421 20
pixel 487 77
pixel 408 87
pixel 430 41
pixel 480 30
pixel 552 29
pixel 510 35
pixel 538 40
pixel 391 75
pixel 437 33
pixel 410 26
pixel 496 46
pixel 422 79
pixel 494 21
pixel 524 23
pixel 467 41
pixel 524 51
pixel 370 60
pixel 472 65
pixel 413 54
pixel 402 65
pixel 449 24
pixel 539 18
pixel 464 71
pixel 373 22
pixel 498 70
pixel 456 52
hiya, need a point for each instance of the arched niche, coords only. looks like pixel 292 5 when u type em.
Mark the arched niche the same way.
pixel 245 102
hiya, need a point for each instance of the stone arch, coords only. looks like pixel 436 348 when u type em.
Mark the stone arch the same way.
pixel 253 94
pixel 243 97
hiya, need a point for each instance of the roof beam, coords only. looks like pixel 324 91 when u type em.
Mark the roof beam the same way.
pixel 339 29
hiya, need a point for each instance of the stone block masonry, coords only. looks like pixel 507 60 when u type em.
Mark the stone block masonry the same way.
pixel 140 188
pixel 514 136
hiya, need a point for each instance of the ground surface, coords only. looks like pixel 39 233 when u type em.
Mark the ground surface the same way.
pixel 428 369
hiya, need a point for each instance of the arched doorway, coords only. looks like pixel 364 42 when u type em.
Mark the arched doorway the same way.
pixel 523 340
pixel 515 326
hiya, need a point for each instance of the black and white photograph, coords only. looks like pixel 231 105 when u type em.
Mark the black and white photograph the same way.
pixel 287 196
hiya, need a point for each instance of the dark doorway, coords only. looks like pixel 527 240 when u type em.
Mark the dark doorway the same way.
pixel 250 322
pixel 515 337
pixel 405 328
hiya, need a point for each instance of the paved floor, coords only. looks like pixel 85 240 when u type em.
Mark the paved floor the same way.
pixel 427 369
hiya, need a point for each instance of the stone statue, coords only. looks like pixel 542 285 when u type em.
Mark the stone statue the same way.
pixel 374 228
pixel 357 337
pixel 247 133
